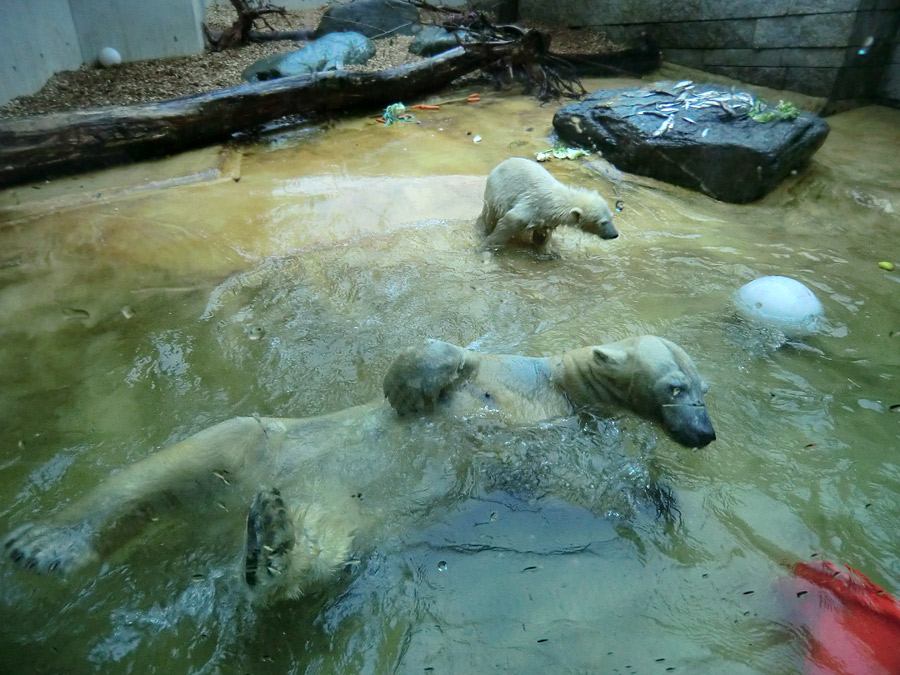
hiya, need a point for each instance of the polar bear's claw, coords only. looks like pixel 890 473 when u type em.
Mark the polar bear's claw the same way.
pixel 48 548
pixel 270 539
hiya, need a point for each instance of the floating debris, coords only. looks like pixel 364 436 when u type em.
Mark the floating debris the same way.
pixel 76 313
pixel 257 333
pixel 127 312
pixel 886 265
pixel 442 566
pixel 396 112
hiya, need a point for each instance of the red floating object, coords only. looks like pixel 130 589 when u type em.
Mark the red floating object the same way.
pixel 852 625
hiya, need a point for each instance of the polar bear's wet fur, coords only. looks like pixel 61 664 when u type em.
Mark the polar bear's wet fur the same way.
pixel 523 201
pixel 314 486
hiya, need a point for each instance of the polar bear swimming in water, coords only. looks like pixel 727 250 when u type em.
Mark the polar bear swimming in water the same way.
pixel 303 479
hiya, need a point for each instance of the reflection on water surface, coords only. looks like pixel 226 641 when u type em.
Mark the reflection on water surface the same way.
pixel 131 322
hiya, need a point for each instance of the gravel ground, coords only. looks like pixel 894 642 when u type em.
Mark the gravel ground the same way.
pixel 159 80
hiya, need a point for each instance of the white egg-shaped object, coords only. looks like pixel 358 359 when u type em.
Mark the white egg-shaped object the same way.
pixel 780 303
pixel 109 57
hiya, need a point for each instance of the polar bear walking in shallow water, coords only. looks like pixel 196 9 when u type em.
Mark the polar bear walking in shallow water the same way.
pixel 304 479
pixel 523 201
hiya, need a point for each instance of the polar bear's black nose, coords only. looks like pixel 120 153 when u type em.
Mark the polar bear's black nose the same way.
pixel 705 437
pixel 694 437
pixel 690 425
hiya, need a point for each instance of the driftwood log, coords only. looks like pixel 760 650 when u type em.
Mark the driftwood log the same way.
pixel 42 146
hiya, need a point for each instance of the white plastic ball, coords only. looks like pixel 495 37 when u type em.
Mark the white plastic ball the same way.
pixel 780 303
pixel 109 57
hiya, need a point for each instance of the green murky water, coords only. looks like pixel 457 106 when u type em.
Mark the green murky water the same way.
pixel 133 318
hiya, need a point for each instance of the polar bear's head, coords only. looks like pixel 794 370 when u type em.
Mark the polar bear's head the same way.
pixel 650 375
pixel 592 214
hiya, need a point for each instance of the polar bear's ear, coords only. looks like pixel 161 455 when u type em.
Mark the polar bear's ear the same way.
pixel 610 356
pixel 576 212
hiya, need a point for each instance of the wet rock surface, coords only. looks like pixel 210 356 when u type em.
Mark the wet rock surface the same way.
pixel 718 140
pixel 330 52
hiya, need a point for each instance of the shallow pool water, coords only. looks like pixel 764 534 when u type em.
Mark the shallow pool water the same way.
pixel 137 312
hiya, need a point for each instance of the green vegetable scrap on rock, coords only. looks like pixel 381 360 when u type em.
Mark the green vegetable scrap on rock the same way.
pixel 762 112
pixel 560 152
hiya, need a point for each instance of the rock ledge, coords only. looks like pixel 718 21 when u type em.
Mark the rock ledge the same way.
pixel 705 137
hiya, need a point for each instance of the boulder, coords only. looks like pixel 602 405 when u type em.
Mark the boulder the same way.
pixel 721 141
pixel 372 18
pixel 433 40
pixel 330 52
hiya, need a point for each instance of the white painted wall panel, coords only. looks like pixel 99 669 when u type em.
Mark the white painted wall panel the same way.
pixel 138 29
pixel 42 37
pixel 38 39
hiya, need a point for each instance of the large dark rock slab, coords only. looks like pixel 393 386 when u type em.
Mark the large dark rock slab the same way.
pixel 330 52
pixel 372 18
pixel 433 40
pixel 706 137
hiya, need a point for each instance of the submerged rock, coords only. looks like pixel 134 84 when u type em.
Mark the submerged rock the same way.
pixel 372 18
pixel 330 52
pixel 720 141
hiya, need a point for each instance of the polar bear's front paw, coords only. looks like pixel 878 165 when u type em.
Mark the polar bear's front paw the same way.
pixel 270 539
pixel 417 377
pixel 50 548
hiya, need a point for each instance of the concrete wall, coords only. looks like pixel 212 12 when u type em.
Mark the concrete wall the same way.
pixel 809 46
pixel 38 39
pixel 139 29
pixel 42 37
pixel 889 88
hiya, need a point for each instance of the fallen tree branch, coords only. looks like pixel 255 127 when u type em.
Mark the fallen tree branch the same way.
pixel 248 12
pixel 34 148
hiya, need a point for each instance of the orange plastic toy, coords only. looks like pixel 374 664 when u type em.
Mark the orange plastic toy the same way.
pixel 852 625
